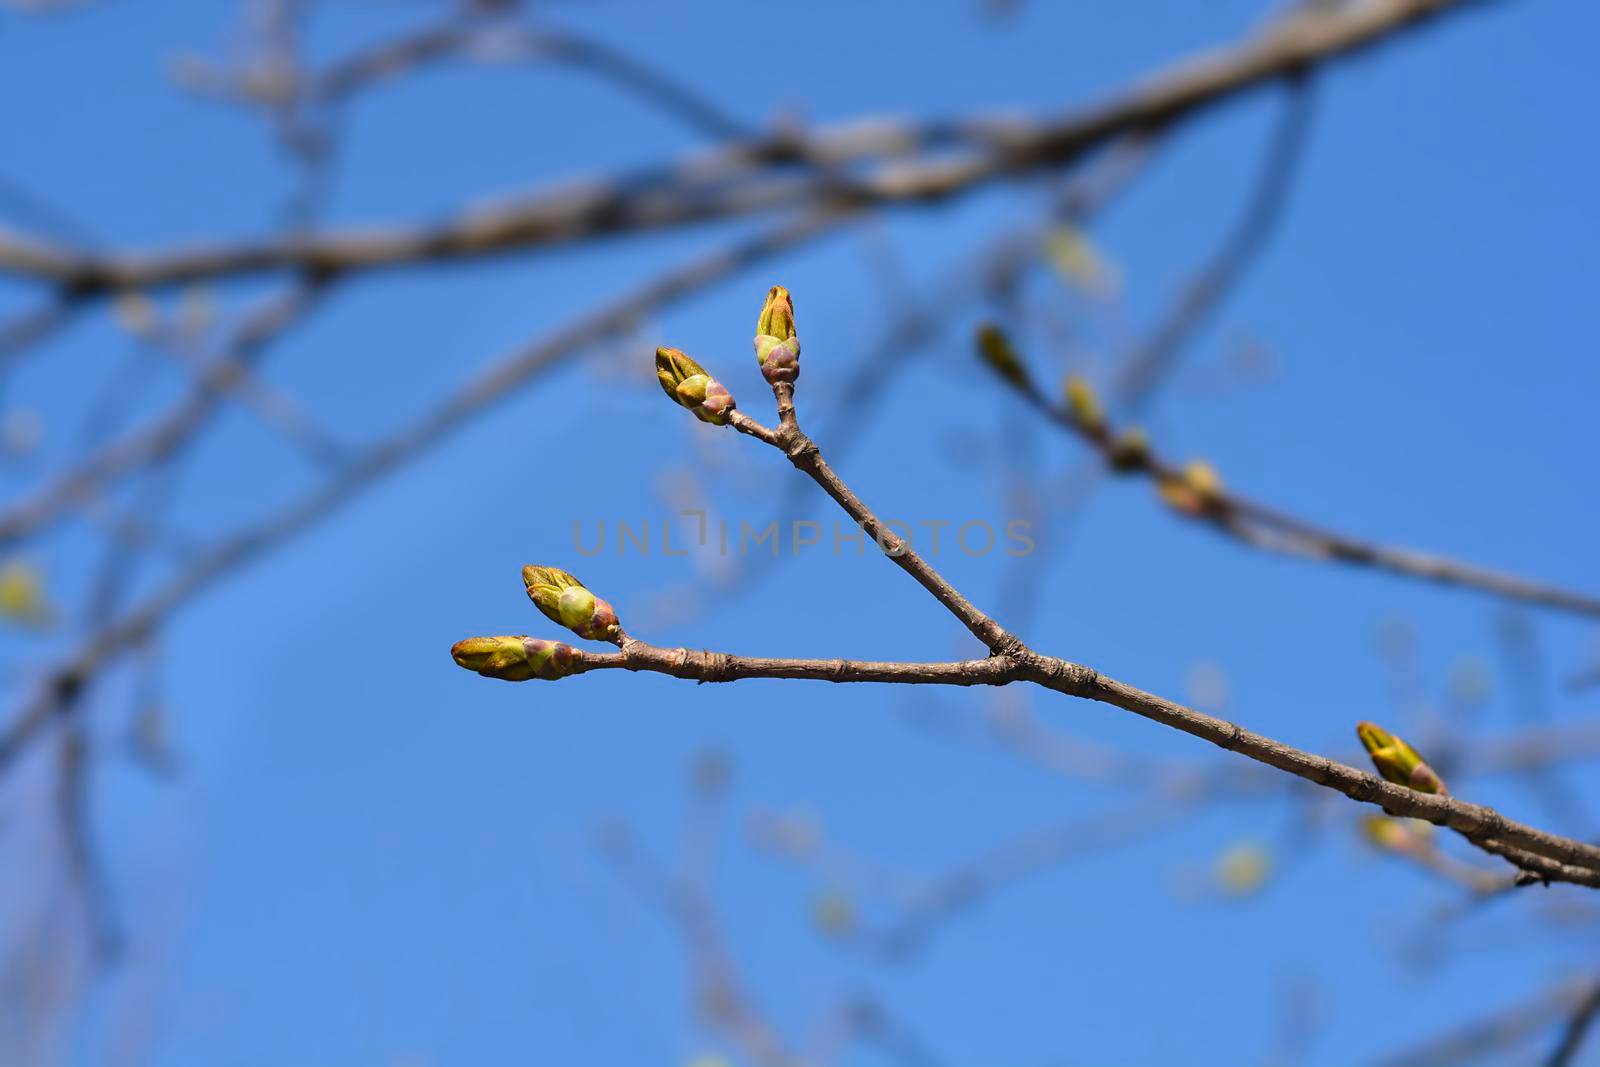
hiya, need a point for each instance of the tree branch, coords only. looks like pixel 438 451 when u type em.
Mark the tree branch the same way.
pixel 158 440
pixel 378 459
pixel 724 185
pixel 1499 1032
pixel 1268 528
pixel 1548 856
pixel 705 666
pixel 1577 1028
pixel 499 42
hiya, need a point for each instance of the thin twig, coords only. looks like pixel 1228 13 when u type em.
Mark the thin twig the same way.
pixel 1268 528
pixel 719 992
pixel 1149 363
pixel 380 458
pixel 1550 857
pixel 1497 1033
pixel 496 42
pixel 1577 1028
pixel 167 434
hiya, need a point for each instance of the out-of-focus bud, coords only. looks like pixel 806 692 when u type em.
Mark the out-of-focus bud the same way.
pixel 1397 835
pixel 136 312
pixel 1079 264
pixel 777 344
pixel 22 595
pixel 1398 761
pixel 1194 491
pixel 688 384
pixel 833 913
pixel 516 659
pixel 1386 833
pixel 1243 868
pixel 563 599
pixel 1130 451
pixel 1083 405
pixel 996 350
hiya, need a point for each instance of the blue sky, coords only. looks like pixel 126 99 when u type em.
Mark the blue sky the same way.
pixel 371 857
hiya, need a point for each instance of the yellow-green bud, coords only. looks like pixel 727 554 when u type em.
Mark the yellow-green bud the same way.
pixel 1084 405
pixel 516 659
pixel 575 606
pixel 563 599
pixel 688 384
pixel 995 348
pixel 777 344
pixel 1398 761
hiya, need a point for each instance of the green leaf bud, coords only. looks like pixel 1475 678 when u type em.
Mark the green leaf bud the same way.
pixel 1398 761
pixel 777 344
pixel 563 599
pixel 516 659
pixel 688 384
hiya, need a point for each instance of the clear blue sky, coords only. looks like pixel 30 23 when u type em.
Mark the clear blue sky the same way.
pixel 374 858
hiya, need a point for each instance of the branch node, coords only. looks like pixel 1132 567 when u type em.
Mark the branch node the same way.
pixel 715 667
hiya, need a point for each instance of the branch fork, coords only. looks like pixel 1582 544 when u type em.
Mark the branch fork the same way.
pixel 1414 791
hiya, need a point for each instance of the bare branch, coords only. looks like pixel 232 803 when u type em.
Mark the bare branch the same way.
pixel 1577 1028
pixel 1264 527
pixel 1550 857
pixel 1547 855
pixel 1503 1030
pixel 383 457
pixel 722 185
pixel 719 992
pixel 497 42
pixel 166 435
pixel 1149 362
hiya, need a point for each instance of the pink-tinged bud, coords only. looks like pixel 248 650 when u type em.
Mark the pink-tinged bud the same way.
pixel 516 659
pixel 563 599
pixel 717 405
pixel 777 344
pixel 1425 780
pixel 688 384
pixel 551 659
pixel 1398 761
